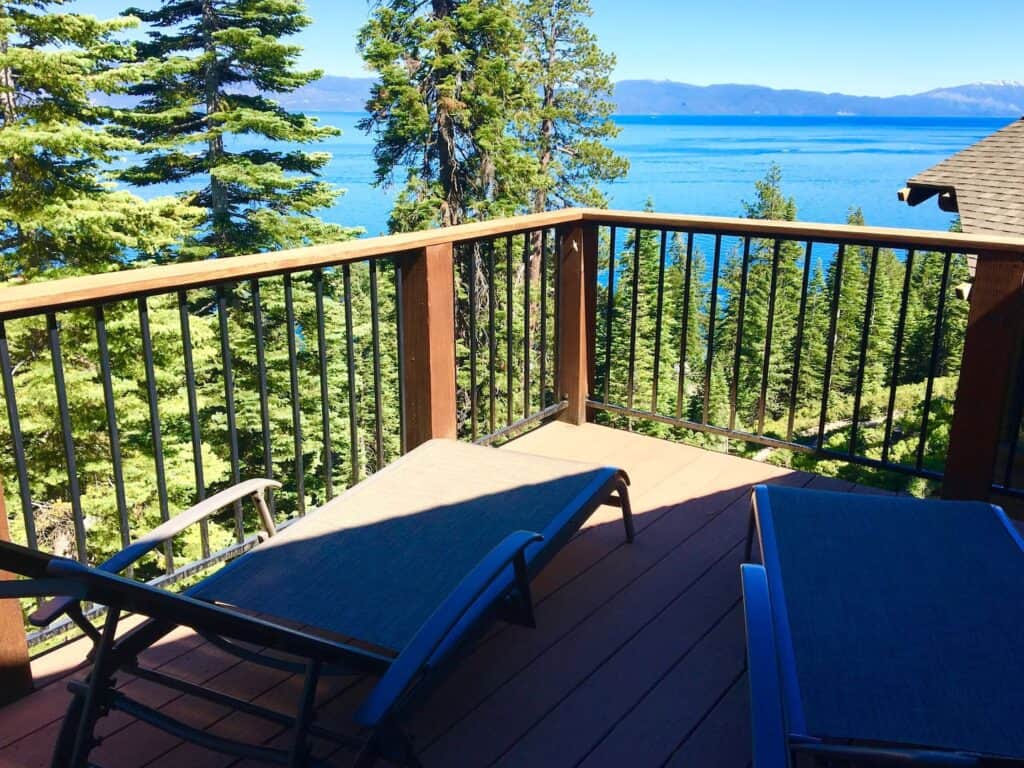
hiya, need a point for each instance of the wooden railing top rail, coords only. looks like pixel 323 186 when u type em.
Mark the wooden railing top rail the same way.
pixel 920 239
pixel 56 295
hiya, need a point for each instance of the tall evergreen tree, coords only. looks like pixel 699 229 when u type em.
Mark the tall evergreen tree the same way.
pixel 572 122
pixel 62 215
pixel 450 85
pixel 57 207
pixel 212 69
pixel 763 310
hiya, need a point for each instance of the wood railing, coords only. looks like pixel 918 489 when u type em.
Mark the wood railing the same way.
pixel 445 332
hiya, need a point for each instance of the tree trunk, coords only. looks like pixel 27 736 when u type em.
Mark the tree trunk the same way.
pixel 451 210
pixel 220 213
pixel 7 100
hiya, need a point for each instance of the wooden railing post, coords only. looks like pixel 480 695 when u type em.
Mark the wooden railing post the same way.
pixel 987 375
pixel 590 241
pixel 428 344
pixel 576 304
pixel 15 672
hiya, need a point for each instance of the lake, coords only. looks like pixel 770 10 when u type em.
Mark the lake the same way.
pixel 708 165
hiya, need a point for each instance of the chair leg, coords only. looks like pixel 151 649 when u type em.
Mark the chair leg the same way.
pixel 88 705
pixel 627 511
pixel 299 754
pixel 68 732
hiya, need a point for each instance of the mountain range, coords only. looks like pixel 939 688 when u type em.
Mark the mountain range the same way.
pixel 664 97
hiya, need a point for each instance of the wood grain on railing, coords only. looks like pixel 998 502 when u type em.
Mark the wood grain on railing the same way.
pixel 66 293
pixel 992 347
pixel 919 239
pixel 572 380
pixel 428 344
pixel 15 673
pixel 591 242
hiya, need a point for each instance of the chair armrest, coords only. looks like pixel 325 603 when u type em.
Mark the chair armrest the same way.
pixel 129 595
pixel 419 653
pixel 767 718
pixel 255 487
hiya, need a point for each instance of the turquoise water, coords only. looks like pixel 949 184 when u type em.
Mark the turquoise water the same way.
pixel 708 165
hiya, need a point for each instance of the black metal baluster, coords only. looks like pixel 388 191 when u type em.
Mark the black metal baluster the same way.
pixel 229 402
pixel 492 339
pixel 766 364
pixel 399 335
pixel 472 248
pixel 527 263
pixel 544 318
pixel 738 352
pixel 830 346
pixel 633 310
pixel 936 348
pixel 657 320
pixel 325 406
pixel 261 375
pixel 509 325
pixel 193 416
pixel 897 358
pixel 711 329
pixel 378 405
pixel 797 353
pixel 113 433
pixel 293 364
pixel 609 313
pixel 353 406
pixel 53 329
pixel 154 424
pixel 17 440
pixel 685 332
pixel 869 306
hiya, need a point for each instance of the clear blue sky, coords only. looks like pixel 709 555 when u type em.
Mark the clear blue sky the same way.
pixel 864 47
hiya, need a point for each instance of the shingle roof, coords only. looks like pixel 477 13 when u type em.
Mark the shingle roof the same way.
pixel 986 181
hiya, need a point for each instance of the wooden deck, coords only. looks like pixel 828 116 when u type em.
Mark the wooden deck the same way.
pixel 638 658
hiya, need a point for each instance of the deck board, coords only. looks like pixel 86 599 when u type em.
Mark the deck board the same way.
pixel 638 657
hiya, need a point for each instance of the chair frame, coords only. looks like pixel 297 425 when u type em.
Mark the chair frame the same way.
pixel 779 736
pixel 485 593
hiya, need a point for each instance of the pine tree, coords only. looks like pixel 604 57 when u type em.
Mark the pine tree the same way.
pixel 815 343
pixel 62 216
pixel 450 85
pixel 637 273
pixel 57 206
pixel 770 297
pixel 209 123
pixel 572 122
pixel 212 68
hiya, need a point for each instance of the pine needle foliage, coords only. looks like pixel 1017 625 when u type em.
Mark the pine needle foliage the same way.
pixel 61 214
pixel 207 122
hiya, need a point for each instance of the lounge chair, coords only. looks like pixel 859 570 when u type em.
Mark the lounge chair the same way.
pixel 410 564
pixel 884 630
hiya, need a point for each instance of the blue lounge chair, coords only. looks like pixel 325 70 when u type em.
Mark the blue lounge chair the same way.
pixel 884 630
pixel 411 563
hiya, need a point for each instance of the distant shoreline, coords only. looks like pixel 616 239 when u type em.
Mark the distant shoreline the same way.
pixel 667 98
pixel 711 118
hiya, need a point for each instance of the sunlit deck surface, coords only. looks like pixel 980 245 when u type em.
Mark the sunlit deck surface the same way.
pixel 638 657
